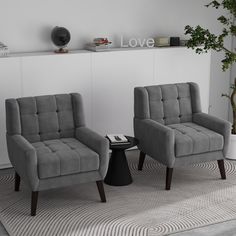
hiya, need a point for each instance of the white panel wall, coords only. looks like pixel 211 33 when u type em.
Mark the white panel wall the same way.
pixel 171 68
pixel 106 81
pixel 10 87
pixel 115 74
pixel 53 74
pixel 26 26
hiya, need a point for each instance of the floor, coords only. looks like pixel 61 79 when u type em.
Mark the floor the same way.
pixel 225 228
pixel 3 232
pixel 222 229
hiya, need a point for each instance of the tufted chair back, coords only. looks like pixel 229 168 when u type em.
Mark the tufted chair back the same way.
pixel 167 104
pixel 45 117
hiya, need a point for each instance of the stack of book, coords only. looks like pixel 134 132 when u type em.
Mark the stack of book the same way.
pixel 97 48
pixel 99 45
pixel 117 139
pixel 4 51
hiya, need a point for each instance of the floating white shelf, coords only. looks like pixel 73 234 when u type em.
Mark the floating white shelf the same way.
pixel 47 53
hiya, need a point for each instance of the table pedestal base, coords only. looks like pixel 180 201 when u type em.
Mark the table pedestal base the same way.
pixel 118 173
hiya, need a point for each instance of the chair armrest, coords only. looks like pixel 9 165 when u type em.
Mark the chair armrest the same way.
pixel 220 126
pixel 156 140
pixel 97 143
pixel 24 159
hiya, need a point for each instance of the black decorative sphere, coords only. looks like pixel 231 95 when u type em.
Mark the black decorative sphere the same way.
pixel 60 37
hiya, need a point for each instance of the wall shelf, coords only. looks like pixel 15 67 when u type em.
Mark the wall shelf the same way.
pixel 47 53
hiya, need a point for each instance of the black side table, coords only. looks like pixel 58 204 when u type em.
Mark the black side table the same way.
pixel 118 173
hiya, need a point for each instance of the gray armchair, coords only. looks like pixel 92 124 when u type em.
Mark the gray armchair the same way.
pixel 49 145
pixel 171 128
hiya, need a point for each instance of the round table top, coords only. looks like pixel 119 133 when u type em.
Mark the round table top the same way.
pixel 132 142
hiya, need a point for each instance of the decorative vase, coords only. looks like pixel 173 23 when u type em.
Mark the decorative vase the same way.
pixel 232 148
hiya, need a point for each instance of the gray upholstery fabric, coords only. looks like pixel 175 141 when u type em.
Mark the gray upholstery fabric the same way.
pixel 170 126
pixel 170 103
pixel 192 139
pixel 78 110
pixel 98 144
pixel 48 142
pixel 199 158
pixel 218 125
pixel 141 105
pixel 155 139
pixel 13 120
pixel 24 159
pixel 167 104
pixel 195 97
pixel 67 180
pixel 46 117
pixel 64 157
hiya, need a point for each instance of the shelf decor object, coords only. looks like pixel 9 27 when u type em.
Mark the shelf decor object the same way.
pixel 60 37
pixel 99 45
pixel 162 41
pixel 4 50
pixel 174 41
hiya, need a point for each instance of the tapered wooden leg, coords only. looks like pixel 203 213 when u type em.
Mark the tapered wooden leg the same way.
pixel 101 191
pixel 34 201
pixel 222 168
pixel 169 172
pixel 142 156
pixel 17 182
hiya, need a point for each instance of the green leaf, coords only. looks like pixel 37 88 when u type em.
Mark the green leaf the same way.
pixel 224 20
pixel 215 4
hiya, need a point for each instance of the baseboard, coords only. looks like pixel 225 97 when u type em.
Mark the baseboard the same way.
pixel 5 166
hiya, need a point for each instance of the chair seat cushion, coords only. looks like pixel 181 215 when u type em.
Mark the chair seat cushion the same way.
pixel 191 138
pixel 64 157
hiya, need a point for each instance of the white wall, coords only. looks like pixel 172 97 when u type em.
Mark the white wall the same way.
pixel 26 25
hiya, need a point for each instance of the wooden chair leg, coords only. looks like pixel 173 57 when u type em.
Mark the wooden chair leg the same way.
pixel 222 168
pixel 17 182
pixel 169 172
pixel 141 160
pixel 101 191
pixel 34 201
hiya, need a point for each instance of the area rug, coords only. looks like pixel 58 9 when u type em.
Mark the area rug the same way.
pixel 198 198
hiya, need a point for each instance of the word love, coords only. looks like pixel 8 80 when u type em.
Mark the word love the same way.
pixel 133 43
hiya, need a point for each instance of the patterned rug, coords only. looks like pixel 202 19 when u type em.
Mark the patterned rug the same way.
pixel 198 198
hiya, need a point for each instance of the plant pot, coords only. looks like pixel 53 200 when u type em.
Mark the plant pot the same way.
pixel 232 148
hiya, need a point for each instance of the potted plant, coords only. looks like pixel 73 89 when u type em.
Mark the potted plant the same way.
pixel 202 40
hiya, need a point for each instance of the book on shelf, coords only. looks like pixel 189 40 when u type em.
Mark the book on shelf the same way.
pixel 97 48
pixel 4 50
pixel 117 139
